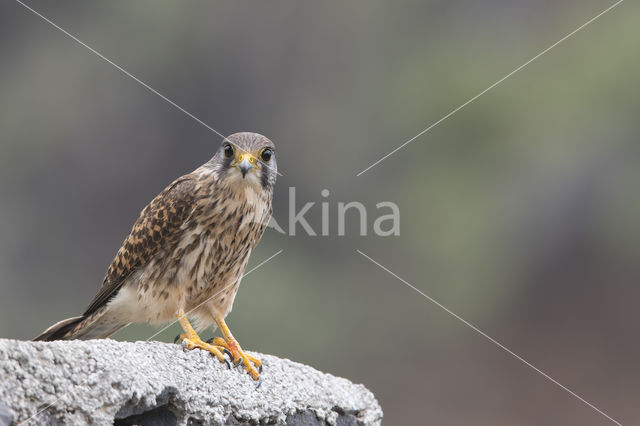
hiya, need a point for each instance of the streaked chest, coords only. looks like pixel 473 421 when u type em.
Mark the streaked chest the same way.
pixel 217 242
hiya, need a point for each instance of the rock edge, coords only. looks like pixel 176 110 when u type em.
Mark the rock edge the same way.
pixel 151 383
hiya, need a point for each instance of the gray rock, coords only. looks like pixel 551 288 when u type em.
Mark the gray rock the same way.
pixel 151 383
pixel 6 417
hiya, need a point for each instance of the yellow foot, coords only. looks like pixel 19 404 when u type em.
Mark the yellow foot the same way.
pixel 195 342
pixel 238 356
pixel 190 340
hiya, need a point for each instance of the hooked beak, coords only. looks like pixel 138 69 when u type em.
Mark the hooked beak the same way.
pixel 245 163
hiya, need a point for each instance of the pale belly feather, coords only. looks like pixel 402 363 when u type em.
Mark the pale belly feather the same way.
pixel 204 281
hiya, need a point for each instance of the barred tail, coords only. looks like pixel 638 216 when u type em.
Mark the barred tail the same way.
pixel 98 325
pixel 61 330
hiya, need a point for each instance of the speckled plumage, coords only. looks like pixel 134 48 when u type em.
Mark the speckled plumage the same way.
pixel 187 250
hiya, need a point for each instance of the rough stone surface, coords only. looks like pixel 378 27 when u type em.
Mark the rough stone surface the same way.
pixel 150 383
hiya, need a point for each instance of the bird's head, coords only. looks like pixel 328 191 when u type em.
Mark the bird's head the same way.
pixel 246 159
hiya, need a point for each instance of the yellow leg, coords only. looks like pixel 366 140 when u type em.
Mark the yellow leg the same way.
pixel 191 340
pixel 231 344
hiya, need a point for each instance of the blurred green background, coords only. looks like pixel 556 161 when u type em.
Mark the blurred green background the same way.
pixel 519 213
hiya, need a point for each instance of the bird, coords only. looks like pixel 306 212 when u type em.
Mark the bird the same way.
pixel 187 253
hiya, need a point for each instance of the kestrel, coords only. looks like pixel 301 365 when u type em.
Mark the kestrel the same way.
pixel 187 252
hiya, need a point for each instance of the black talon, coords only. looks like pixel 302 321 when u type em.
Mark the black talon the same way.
pixel 260 370
pixel 237 363
pixel 176 339
pixel 210 341
pixel 259 383
pixel 227 361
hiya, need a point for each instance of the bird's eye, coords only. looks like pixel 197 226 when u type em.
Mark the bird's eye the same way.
pixel 266 154
pixel 228 151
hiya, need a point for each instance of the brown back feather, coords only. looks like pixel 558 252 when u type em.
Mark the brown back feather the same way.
pixel 158 228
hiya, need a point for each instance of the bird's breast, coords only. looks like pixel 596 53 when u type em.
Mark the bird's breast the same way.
pixel 218 243
pixel 206 265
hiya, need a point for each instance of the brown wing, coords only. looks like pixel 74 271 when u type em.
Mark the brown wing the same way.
pixel 157 228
